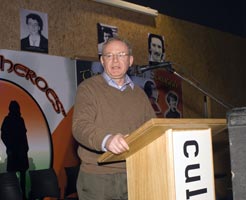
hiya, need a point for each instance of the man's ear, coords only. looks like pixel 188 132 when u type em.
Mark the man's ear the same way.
pixel 101 60
pixel 131 61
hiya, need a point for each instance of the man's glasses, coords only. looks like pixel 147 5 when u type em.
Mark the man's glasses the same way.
pixel 120 56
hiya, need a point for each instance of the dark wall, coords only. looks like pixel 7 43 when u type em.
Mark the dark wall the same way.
pixel 227 15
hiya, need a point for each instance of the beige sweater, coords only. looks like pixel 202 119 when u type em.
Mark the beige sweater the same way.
pixel 100 110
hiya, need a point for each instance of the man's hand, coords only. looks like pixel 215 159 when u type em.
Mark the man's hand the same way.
pixel 117 144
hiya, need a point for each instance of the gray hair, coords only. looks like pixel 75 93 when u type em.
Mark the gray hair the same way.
pixel 116 38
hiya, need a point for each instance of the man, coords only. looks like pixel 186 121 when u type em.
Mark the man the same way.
pixel 152 93
pixel 156 48
pixel 35 41
pixel 172 100
pixel 107 108
pixel 103 35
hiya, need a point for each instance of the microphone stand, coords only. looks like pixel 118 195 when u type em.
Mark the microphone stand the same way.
pixel 197 86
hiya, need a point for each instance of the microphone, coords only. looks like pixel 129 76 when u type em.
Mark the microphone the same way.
pixel 141 69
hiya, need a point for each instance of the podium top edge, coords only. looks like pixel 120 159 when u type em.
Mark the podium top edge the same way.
pixel 208 121
pixel 158 126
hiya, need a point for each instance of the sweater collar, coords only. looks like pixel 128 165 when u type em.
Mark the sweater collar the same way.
pixel 112 83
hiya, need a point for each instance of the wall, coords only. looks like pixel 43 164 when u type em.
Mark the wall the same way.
pixel 212 57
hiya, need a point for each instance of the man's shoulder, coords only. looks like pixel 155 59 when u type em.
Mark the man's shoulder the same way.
pixel 43 42
pixel 137 88
pixel 93 81
pixel 25 40
pixel 43 38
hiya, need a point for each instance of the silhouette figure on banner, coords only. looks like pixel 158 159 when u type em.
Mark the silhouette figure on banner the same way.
pixel 172 101
pixel 13 135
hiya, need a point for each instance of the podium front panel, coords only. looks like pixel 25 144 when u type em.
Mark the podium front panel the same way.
pixel 193 164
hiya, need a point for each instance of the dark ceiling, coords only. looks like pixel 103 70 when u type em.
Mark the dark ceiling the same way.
pixel 224 15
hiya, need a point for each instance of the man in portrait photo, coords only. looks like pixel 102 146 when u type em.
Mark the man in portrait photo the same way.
pixel 172 101
pixel 105 32
pixel 34 31
pixel 156 48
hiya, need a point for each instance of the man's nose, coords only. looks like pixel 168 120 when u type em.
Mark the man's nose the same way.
pixel 115 58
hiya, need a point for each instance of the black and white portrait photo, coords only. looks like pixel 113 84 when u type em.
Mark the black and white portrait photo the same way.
pixel 156 48
pixel 172 101
pixel 34 31
pixel 104 33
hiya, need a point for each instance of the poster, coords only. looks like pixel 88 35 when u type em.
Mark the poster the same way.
pixel 44 87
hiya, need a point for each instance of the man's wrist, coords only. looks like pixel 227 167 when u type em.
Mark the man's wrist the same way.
pixel 104 142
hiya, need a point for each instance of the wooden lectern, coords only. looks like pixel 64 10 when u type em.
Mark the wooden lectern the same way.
pixel 170 159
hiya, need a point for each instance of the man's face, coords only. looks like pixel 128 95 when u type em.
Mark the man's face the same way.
pixel 156 49
pixel 106 36
pixel 116 60
pixel 173 104
pixel 33 26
